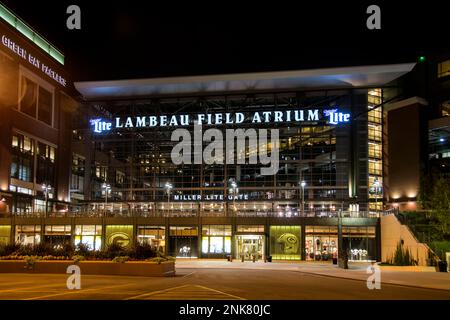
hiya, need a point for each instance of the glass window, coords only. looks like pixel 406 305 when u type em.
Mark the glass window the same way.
pixel 28 234
pixel 45 106
pixel 152 235
pixel 36 101
pixel 28 103
pixel 90 235
pixel 250 228
pixel 321 243
pixel 444 69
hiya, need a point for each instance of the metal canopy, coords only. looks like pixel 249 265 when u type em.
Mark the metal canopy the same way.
pixel 347 77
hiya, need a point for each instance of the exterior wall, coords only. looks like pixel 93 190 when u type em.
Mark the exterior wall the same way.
pixel 12 120
pixel 406 149
pixel 392 231
pixel 198 222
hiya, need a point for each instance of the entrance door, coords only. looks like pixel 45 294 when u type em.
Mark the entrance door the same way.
pixel 249 246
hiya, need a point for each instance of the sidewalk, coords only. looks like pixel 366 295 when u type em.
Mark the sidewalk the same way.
pixel 356 271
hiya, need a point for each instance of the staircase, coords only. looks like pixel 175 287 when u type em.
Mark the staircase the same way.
pixel 392 231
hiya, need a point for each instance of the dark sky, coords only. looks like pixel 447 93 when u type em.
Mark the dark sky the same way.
pixel 135 39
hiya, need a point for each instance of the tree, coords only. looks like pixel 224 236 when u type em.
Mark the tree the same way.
pixel 440 204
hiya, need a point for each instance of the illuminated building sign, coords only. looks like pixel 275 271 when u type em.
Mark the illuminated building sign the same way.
pixel 332 116
pixel 32 60
pixel 198 197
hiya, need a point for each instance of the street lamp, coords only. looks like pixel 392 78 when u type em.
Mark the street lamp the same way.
pixel 106 187
pixel 46 188
pixel 303 184
pixel 234 190
pixel 168 187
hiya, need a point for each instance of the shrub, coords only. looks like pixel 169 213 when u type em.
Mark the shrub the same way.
pixel 440 248
pixel 8 249
pixel 114 250
pixel 160 259
pixel 142 251
pixel 66 250
pixel 77 258
pixel 30 261
pixel 402 256
pixel 43 249
pixel 82 249
pixel 98 254
pixel 121 259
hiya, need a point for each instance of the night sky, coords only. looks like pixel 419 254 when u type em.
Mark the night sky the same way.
pixel 128 39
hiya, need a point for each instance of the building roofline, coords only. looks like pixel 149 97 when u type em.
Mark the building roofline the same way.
pixel 342 77
pixel 25 29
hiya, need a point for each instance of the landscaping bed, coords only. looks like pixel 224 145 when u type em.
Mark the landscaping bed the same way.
pixel 138 260
pixel 129 268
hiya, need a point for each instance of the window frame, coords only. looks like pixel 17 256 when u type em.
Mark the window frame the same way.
pixel 23 72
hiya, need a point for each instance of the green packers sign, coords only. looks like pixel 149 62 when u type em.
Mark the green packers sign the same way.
pixel 121 235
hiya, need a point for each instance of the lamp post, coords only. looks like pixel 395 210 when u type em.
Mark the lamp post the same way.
pixel 303 184
pixel 168 187
pixel 46 188
pixel 234 190
pixel 107 188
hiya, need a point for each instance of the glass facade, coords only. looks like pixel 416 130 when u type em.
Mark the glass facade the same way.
pixel 33 164
pixel 89 235
pixel 315 152
pixel 216 241
pixel 183 242
pixel 28 234
pixel 58 235
pixel 321 242
pixel 152 235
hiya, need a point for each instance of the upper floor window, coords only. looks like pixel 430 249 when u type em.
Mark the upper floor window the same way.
pixel 444 69
pixel 36 100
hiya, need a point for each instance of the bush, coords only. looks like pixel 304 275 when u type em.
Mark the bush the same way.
pixel 82 249
pixel 43 249
pixel 78 258
pixel 142 251
pixel 99 255
pixel 115 250
pixel 8 249
pixel 402 256
pixel 121 259
pixel 440 248
pixel 66 250
pixel 160 259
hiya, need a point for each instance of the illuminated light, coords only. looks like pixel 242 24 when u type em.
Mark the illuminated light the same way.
pixel 421 59
pixel 395 196
pixel 441 140
pixel 28 32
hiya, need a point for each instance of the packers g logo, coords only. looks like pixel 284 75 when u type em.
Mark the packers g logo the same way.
pixel 120 238
pixel 290 242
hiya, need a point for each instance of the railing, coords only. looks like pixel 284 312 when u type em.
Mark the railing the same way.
pixel 178 213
